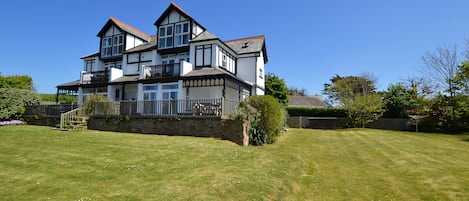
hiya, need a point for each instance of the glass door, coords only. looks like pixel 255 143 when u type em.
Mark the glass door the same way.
pixel 169 100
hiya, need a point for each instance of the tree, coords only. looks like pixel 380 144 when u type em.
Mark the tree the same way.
pixel 364 109
pixel 342 88
pixel 276 87
pixel 398 99
pixel 441 67
pixel 16 81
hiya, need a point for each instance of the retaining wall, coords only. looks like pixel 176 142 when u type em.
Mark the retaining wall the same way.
pixel 233 130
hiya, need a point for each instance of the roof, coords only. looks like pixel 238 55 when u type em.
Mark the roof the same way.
pixel 307 101
pixel 209 72
pixel 125 27
pixel 94 54
pixel 126 78
pixel 73 85
pixel 204 36
pixel 249 45
pixel 144 47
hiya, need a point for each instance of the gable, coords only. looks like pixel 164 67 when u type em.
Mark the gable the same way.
pixel 111 31
pixel 173 17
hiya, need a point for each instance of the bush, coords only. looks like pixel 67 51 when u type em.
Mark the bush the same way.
pixel 317 112
pixel 90 103
pixel 264 114
pixel 13 102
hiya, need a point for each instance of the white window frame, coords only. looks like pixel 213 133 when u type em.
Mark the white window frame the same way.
pixel 112 45
pixel 165 37
pixel 179 35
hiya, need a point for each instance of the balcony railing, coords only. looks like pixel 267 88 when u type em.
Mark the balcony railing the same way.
pixel 161 71
pixel 175 107
pixel 97 77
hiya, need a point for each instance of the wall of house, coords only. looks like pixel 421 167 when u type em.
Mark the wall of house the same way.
pixel 205 92
pixel 233 130
pixel 132 41
pixel 260 75
pixel 247 69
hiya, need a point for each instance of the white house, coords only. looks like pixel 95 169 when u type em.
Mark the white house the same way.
pixel 183 61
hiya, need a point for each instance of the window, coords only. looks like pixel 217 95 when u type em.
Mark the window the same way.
pixel 223 62
pixel 261 73
pixel 181 34
pixel 149 92
pixel 203 55
pixel 89 65
pixel 165 37
pixel 119 64
pixel 112 46
pixel 169 86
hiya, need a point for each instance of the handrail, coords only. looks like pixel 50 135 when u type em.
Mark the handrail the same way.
pixel 68 116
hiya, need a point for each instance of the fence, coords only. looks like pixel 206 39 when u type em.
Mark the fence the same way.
pixel 49 110
pixel 173 107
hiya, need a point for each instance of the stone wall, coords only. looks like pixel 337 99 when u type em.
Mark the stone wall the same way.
pixel 232 130
pixel 42 120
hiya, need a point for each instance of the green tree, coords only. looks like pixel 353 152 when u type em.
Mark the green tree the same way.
pixel 343 88
pixel 276 87
pixel 364 109
pixel 16 81
pixel 398 99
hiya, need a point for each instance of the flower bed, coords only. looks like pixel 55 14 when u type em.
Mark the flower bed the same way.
pixel 12 122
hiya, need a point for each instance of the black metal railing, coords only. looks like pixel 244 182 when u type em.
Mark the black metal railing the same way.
pixel 97 77
pixel 162 71
pixel 173 107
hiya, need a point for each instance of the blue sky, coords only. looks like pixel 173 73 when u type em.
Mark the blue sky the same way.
pixel 308 41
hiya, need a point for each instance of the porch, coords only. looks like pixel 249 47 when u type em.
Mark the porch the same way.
pixel 173 108
pixel 161 71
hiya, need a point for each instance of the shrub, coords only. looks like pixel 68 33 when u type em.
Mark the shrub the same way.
pixel 13 102
pixel 317 112
pixel 90 103
pixel 264 114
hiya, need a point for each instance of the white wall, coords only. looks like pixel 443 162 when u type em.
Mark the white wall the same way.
pixel 115 73
pixel 205 92
pixel 260 75
pixel 132 41
pixel 247 69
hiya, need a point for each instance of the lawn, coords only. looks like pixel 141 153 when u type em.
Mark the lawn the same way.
pixel 38 163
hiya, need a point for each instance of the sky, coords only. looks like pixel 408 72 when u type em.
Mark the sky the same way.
pixel 308 41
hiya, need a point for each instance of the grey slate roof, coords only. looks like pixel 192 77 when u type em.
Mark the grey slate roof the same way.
pixel 205 72
pixel 126 78
pixel 307 101
pixel 94 54
pixel 206 35
pixel 73 85
pixel 247 45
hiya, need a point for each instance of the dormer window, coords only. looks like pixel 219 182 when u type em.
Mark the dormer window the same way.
pixel 165 37
pixel 112 46
pixel 173 35
pixel 181 34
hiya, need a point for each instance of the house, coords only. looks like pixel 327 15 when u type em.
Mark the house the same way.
pixel 172 71
pixel 307 101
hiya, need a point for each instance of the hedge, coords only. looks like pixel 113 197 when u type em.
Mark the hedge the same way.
pixel 317 112
pixel 13 102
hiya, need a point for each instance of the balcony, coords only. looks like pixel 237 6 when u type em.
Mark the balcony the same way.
pixel 96 77
pixel 161 71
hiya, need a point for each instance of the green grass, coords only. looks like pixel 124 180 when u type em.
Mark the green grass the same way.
pixel 37 163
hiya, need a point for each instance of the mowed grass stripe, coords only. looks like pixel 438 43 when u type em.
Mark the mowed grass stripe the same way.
pixel 38 163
